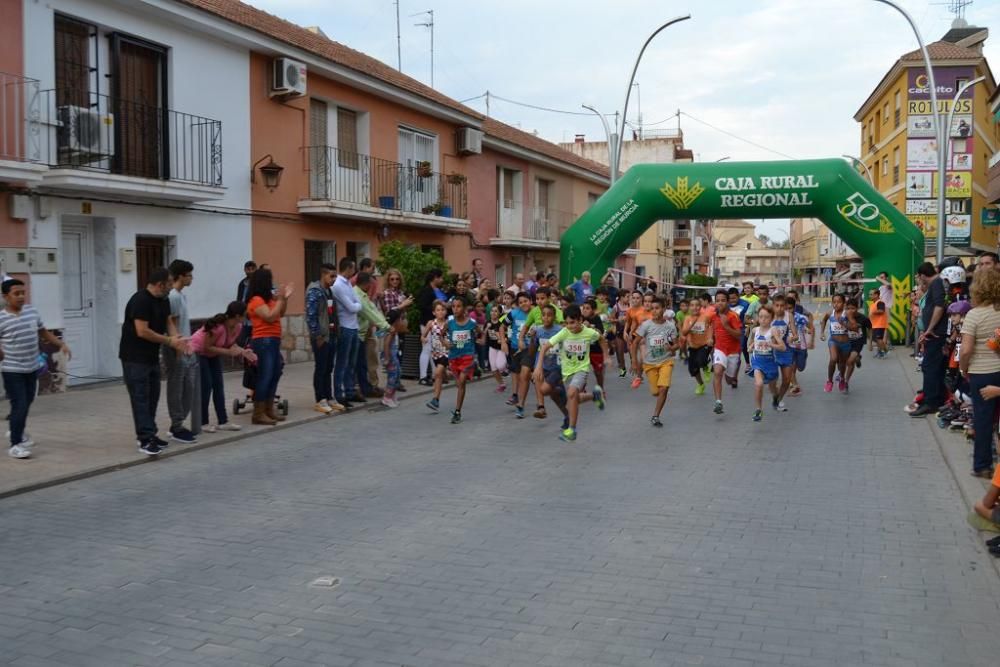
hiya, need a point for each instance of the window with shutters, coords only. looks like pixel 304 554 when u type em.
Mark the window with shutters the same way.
pixel 347 138
pixel 139 77
pixel 319 151
pixel 317 253
pixel 75 61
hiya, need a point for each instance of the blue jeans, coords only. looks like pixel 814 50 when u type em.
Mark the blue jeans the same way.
pixel 361 369
pixel 20 388
pixel 269 365
pixel 983 420
pixel 143 384
pixel 323 370
pixel 211 385
pixel 348 344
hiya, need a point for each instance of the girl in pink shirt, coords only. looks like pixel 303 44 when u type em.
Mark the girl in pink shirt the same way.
pixel 214 340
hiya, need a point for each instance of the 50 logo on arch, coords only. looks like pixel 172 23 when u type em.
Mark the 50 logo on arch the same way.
pixel 864 215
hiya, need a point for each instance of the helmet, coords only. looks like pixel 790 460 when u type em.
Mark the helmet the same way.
pixel 949 261
pixel 959 308
pixel 955 275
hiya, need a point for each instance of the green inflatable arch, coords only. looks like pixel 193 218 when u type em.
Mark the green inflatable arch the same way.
pixel 829 190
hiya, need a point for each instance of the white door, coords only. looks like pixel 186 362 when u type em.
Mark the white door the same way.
pixel 78 299
pixel 415 190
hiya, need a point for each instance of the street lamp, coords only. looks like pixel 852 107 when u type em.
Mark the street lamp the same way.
pixel 612 141
pixel 628 91
pixel 940 132
pixel 864 166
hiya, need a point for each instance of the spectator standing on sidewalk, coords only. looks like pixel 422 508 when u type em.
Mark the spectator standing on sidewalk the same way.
pixel 183 377
pixel 266 307
pixel 369 353
pixel 393 298
pixel 428 294
pixel 933 339
pixel 20 330
pixel 243 288
pixel 147 325
pixel 370 321
pixel 980 363
pixel 319 305
pixel 212 341
pixel 347 306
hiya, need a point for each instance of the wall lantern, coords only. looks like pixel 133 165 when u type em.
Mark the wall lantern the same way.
pixel 270 172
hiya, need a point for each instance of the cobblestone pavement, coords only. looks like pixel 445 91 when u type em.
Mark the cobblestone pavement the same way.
pixel 830 535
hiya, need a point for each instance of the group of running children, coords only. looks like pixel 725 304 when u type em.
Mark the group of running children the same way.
pixel 556 347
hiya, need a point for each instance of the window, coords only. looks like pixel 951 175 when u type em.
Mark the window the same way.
pixel 885 166
pixel 895 166
pixel 542 191
pixel 415 147
pixel 439 249
pixel 150 253
pixel 897 114
pixel 315 254
pixel 592 198
pixel 885 112
pixel 319 151
pixel 139 94
pixel 500 274
pixel 347 138
pixel 358 250
pixel 75 56
pixel 510 187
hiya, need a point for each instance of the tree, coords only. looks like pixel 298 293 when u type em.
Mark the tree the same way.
pixel 414 264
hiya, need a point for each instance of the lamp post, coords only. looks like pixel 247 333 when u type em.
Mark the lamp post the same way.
pixel 864 166
pixel 940 132
pixel 945 145
pixel 612 141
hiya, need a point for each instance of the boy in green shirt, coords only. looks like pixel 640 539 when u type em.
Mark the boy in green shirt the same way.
pixel 574 354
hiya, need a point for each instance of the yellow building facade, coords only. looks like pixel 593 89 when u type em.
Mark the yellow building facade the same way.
pixel 899 148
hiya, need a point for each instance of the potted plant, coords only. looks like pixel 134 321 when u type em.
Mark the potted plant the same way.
pixel 454 178
pixel 432 209
pixel 414 264
pixel 424 169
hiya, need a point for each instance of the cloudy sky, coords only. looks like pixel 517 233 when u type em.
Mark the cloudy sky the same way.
pixel 787 75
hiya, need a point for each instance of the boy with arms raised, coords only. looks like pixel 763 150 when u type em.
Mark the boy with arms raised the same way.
pixel 658 336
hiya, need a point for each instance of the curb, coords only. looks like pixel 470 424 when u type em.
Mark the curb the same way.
pixel 969 488
pixel 412 392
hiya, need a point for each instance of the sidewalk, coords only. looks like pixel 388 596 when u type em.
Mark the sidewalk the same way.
pixel 89 430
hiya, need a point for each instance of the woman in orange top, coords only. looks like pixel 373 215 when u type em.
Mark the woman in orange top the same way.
pixel 265 308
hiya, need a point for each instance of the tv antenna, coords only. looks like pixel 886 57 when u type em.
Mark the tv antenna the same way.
pixel 429 23
pixel 399 41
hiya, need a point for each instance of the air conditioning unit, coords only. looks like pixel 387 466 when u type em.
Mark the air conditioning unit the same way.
pixel 85 134
pixel 289 78
pixel 469 140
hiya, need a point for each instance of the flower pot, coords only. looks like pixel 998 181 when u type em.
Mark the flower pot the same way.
pixel 424 172
pixel 445 212
pixel 427 210
pixel 387 202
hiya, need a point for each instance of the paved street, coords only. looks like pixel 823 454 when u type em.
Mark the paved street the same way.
pixel 830 535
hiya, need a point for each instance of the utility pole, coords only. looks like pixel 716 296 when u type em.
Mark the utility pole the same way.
pixel 429 23
pixel 399 41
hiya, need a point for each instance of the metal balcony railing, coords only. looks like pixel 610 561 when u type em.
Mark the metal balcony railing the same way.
pixel 356 178
pixel 18 103
pixel 84 130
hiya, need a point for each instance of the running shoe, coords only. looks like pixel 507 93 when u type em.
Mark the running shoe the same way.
pixel 622 373
pixel 540 413
pixel 836 377
pixel 512 400
pixel 565 424
pixel 501 388
pixel 718 408
pixel 636 382
pixel 388 402
pixel 519 412
pixel 774 402
pixel 568 435
pixel 781 407
pixel 19 452
pixel 434 405
pixel 847 388
pixel 842 386
pixel 858 362
pixel 706 374
pixel 796 391
pixel 655 421
pixel 758 415
pixel 699 390
pixel 748 372
pixel 456 417
pixel 599 397
pixel 828 387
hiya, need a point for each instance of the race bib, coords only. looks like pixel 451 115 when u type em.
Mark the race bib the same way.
pixel 837 328
pixel 657 345
pixel 762 347
pixel 576 348
pixel 460 338
pixel 698 327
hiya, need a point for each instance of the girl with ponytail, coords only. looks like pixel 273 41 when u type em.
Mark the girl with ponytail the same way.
pixel 214 340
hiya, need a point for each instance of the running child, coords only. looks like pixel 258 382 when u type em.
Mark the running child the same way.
pixel 728 332
pixel 699 330
pixel 461 346
pixel 591 319
pixel 390 355
pixel 763 341
pixel 840 344
pixel 574 341
pixel 879 315
pixel 857 326
pixel 436 332
pixel 658 336
pixel 496 345
pixel 619 315
pixel 520 362
pixel 784 324
pixel 799 345
pixel 552 384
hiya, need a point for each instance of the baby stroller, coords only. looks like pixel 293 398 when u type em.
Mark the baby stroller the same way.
pixel 250 381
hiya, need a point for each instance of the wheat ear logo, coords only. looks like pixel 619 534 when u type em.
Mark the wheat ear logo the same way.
pixel 682 196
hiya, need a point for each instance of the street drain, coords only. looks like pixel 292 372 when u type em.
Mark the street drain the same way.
pixel 325 582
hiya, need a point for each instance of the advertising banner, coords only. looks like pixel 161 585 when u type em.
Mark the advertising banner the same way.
pixel 961 161
pixel 958 185
pixel 922 127
pixel 921 154
pixel 918 107
pixel 918 184
pixel 925 206
pixel 959 228
pixel 990 217
pixel 946 80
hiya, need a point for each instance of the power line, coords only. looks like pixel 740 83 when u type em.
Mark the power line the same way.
pixel 472 99
pixel 541 108
pixel 736 136
pixel 665 120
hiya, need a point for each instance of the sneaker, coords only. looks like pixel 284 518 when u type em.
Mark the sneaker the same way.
pixel 748 372
pixel 26 440
pixel 19 452
pixel 160 442
pixel 149 448
pixel 519 412
pixel 758 415
pixel 434 404
pixel 599 397
pixel 699 390
pixel 358 398
pixel 858 362
pixel 781 407
pixel 842 386
pixel 565 424
pixel 847 388
pixel 456 417
pixel 774 402
pixel 622 373
pixel 230 426
pixel 636 383
pixel 828 387
pixel 718 408
pixel 338 407
pixel 706 374
pixel 323 407
pixel 540 413
pixel 183 435
pixel 655 421
pixel 208 428
pixel 501 388
pixel 388 402
pixel 796 391
pixel 568 435
pixel 512 400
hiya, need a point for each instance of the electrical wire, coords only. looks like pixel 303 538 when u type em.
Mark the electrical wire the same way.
pixel 736 136
pixel 665 120
pixel 541 108
pixel 472 99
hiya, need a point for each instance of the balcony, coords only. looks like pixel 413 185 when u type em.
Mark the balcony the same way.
pixel 361 187
pixel 521 226
pixel 97 143
pixel 18 103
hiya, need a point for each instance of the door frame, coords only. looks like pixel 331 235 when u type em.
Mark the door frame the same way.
pixel 88 285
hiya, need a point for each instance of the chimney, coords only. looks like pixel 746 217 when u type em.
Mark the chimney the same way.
pixel 579 139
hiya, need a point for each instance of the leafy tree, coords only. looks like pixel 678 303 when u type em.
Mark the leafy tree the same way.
pixel 414 264
pixel 700 280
